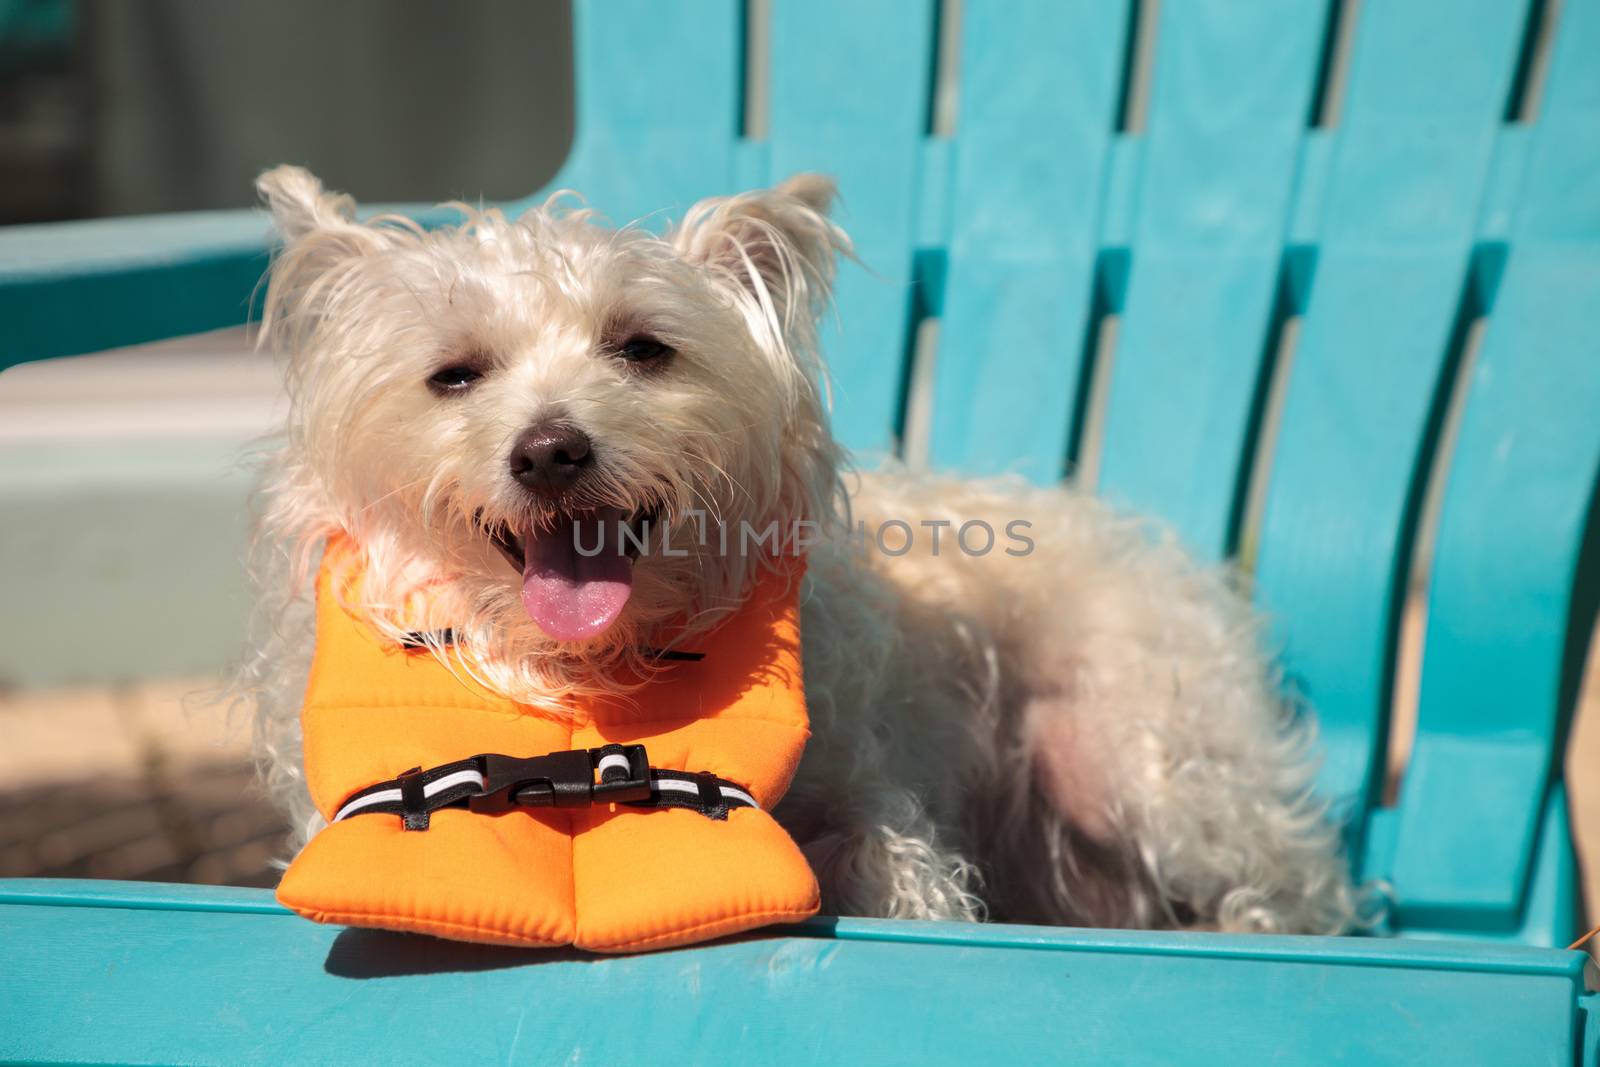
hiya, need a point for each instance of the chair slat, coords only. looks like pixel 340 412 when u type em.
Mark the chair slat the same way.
pixel 1428 83
pixel 1231 93
pixel 855 105
pixel 658 95
pixel 1038 99
pixel 1520 492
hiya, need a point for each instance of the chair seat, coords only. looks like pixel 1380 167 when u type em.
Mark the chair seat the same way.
pixel 197 974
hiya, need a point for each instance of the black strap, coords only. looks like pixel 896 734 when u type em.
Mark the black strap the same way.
pixel 673 655
pixel 413 800
pixel 491 783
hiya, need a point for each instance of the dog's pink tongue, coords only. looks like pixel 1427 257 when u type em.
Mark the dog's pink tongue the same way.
pixel 569 594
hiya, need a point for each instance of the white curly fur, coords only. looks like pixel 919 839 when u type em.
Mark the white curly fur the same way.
pixel 1087 733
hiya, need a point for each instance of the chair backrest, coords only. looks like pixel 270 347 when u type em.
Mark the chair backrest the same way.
pixel 1384 238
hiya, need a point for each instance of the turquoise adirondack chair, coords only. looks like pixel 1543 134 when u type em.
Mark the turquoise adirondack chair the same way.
pixel 1429 206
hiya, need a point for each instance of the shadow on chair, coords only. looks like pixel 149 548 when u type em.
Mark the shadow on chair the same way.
pixel 383 954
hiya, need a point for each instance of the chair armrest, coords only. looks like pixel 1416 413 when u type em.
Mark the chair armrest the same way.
pixel 73 287
pixel 67 288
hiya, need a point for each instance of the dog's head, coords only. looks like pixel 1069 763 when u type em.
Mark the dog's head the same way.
pixel 482 406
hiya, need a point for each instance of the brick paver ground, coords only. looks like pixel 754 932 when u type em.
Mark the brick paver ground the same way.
pixel 140 782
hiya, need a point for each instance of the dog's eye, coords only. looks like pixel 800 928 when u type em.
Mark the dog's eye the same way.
pixel 643 349
pixel 454 378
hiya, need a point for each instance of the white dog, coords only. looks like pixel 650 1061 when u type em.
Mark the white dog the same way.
pixel 1024 707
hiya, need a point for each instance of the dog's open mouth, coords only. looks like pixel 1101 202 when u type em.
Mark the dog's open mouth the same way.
pixel 577 574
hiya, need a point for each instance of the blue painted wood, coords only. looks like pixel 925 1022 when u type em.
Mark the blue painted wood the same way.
pixel 1428 83
pixel 1551 910
pixel 856 106
pixel 659 95
pixel 198 976
pixel 1589 1030
pixel 1039 91
pixel 1500 685
pixel 1231 90
pixel 74 287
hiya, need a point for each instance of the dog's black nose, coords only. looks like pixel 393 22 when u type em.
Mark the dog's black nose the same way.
pixel 549 459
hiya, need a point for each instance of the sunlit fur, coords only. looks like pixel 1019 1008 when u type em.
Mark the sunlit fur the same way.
pixel 1084 734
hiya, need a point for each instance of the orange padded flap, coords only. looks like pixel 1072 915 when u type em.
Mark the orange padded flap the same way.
pixel 655 879
pixel 503 880
pixel 605 878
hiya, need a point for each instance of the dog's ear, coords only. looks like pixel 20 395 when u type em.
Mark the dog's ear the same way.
pixel 778 243
pixel 319 228
pixel 299 204
pixel 320 238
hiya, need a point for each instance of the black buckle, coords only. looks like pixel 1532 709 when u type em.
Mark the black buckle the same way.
pixel 559 780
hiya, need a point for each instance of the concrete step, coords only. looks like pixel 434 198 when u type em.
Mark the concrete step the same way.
pixel 124 509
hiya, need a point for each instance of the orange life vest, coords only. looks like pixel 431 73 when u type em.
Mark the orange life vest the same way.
pixel 602 877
